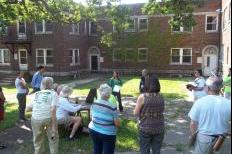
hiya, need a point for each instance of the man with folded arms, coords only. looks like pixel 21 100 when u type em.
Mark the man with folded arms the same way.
pixel 210 117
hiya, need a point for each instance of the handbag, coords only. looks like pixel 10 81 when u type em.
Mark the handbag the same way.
pixel 193 139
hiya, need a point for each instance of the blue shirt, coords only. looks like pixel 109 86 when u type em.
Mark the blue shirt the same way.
pixel 212 114
pixel 36 80
pixel 103 116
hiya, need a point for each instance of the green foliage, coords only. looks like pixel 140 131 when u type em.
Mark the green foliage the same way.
pixel 182 10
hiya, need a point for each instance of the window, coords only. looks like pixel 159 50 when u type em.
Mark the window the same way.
pixel 131 25
pixel 143 24
pixel 178 29
pixel 74 29
pixel 230 11
pixel 92 28
pixel 142 55
pixel 44 57
pixel 212 23
pixel 43 27
pixel 118 54
pixel 131 55
pixel 74 56
pixel 4 57
pixel 3 30
pixel 21 28
pixel 180 56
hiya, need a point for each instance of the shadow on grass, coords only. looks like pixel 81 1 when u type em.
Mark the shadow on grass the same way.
pixel 173 96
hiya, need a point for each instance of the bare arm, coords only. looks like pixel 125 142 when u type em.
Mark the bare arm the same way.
pixel 117 123
pixel 193 127
pixel 53 116
pixel 139 105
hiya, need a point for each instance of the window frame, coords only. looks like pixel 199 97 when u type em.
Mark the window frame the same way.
pixel 72 28
pixel 182 30
pixel 142 61
pixel 44 31
pixel 206 23
pixel 181 56
pixel 74 63
pixel 114 50
pixel 139 24
pixel 90 28
pixel 134 29
pixel 44 56
pixel 3 63
pixel 22 35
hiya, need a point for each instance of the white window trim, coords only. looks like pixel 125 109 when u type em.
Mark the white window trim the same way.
pixel 2 55
pixel 22 35
pixel 90 27
pixel 74 63
pixel 182 30
pixel 126 50
pixel 45 57
pixel 211 31
pixel 181 57
pixel 73 31
pixel 115 50
pixel 139 60
pixel 143 30
pixel 44 29
pixel 132 30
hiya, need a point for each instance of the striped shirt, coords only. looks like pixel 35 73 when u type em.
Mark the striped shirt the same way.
pixel 103 116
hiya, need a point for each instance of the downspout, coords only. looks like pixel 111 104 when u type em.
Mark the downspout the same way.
pixel 219 11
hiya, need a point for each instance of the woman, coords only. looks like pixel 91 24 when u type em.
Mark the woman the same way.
pixel 43 118
pixel 150 110
pixel 199 85
pixel 227 85
pixel 104 123
pixel 22 92
pixel 2 101
pixel 115 83
pixel 64 107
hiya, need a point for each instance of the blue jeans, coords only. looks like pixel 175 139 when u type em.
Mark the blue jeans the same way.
pixel 103 143
pixel 150 141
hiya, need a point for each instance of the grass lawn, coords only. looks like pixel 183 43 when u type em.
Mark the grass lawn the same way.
pixel 127 134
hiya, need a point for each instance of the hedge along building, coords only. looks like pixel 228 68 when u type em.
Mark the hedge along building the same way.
pixel 149 42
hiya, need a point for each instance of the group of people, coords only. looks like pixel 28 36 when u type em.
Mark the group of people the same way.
pixel 51 106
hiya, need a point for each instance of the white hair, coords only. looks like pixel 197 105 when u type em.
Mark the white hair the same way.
pixel 47 83
pixel 214 83
pixel 66 91
pixel 105 90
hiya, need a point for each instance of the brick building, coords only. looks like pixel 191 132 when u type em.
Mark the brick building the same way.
pixel 226 35
pixel 149 42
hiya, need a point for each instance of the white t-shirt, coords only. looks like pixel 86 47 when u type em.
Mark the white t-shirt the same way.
pixel 212 113
pixel 18 86
pixel 64 107
pixel 42 103
pixel 200 83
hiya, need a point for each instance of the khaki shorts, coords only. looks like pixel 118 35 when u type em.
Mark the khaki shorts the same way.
pixel 65 121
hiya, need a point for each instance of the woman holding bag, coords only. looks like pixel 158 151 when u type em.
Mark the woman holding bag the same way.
pixel 116 83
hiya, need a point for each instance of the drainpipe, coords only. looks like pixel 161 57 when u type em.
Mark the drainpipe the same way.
pixel 219 11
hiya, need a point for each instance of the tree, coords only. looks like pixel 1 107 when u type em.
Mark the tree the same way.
pixel 182 10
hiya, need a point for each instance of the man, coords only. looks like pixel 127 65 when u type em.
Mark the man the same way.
pixel 37 79
pixel 210 117
pixel 22 92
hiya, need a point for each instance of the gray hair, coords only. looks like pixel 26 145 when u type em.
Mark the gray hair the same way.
pixel 214 83
pixel 47 83
pixel 59 88
pixel 105 90
pixel 66 91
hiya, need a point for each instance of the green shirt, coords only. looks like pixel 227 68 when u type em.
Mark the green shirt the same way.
pixel 112 82
pixel 227 84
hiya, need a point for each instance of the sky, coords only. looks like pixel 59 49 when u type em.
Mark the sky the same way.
pixel 123 1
